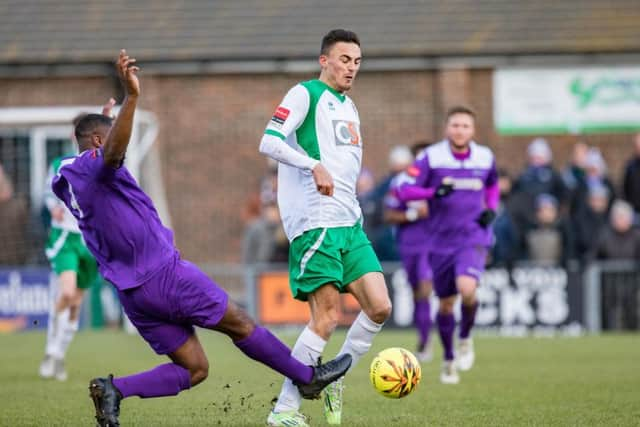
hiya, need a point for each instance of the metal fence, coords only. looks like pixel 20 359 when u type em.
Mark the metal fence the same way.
pixel 612 296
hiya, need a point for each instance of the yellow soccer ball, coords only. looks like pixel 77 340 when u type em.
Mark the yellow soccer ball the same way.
pixel 395 372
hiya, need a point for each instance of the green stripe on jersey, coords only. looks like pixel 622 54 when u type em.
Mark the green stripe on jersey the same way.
pixel 306 134
pixel 274 133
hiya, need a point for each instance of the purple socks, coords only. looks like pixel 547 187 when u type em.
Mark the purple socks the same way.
pixel 468 319
pixel 422 320
pixel 170 379
pixel 264 347
pixel 446 326
pixel 164 380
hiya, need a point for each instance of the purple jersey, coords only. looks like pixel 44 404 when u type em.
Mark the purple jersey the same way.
pixel 118 221
pixel 409 235
pixel 452 221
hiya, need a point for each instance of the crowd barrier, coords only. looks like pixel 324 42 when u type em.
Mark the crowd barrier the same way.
pixel 525 299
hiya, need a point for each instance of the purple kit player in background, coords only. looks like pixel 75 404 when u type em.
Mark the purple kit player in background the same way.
pixel 409 218
pixel 163 295
pixel 458 230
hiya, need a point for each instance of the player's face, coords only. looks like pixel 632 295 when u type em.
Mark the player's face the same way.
pixel 340 65
pixel 460 130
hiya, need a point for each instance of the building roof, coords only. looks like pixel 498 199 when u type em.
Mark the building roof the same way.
pixel 85 31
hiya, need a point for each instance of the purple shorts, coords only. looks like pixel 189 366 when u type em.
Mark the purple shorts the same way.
pixel 416 264
pixel 165 308
pixel 468 261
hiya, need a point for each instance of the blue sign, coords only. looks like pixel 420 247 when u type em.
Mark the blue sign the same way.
pixel 25 298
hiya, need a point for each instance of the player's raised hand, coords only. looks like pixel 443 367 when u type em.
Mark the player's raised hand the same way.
pixel 107 107
pixel 126 69
pixel 324 181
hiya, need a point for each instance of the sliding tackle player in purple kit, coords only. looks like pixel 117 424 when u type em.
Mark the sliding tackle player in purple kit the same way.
pixel 163 295
pixel 458 231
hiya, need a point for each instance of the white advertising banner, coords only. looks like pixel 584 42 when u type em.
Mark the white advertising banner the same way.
pixel 566 100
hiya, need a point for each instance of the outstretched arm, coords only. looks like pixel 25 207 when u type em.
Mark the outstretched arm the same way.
pixel 117 141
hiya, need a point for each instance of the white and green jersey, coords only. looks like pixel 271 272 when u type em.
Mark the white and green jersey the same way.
pixel 322 124
pixel 68 223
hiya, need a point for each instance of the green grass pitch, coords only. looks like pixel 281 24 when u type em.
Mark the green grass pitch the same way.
pixel 593 380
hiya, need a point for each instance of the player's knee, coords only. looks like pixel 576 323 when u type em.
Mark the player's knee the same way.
pixel 236 323
pixel 199 372
pixel 326 324
pixel 446 306
pixel 380 312
pixel 423 292
pixel 67 297
pixel 466 285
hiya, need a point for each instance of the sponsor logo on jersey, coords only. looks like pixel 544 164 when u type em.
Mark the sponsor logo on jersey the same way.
pixel 473 184
pixel 331 106
pixel 346 133
pixel 280 116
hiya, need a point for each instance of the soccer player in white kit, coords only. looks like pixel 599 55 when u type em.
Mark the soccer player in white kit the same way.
pixel 314 134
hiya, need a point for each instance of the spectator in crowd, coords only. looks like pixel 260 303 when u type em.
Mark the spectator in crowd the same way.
pixel 6 189
pixel 264 239
pixel 14 216
pixel 265 194
pixel 548 242
pixel 505 248
pixel 589 220
pixel 364 187
pixel 574 175
pixel 619 240
pixel 380 233
pixel 595 177
pixel 538 178
pixel 631 183
pixel 596 169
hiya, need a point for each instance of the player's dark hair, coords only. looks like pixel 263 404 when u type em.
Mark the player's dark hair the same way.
pixel 335 36
pixel 460 109
pixel 89 123
pixel 77 119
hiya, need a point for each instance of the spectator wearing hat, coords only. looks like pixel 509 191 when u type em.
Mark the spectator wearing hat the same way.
pixel 548 242
pixel 619 239
pixel 574 174
pixel 538 178
pixel 595 177
pixel 590 220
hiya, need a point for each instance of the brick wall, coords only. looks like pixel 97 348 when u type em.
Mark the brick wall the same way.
pixel 210 127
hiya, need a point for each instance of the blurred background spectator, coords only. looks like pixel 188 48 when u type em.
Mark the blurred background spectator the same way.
pixel 539 177
pixel 619 240
pixel 265 240
pixel 573 176
pixel 631 182
pixel 505 248
pixel 589 220
pixel 372 203
pixel 548 242
pixel 14 218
